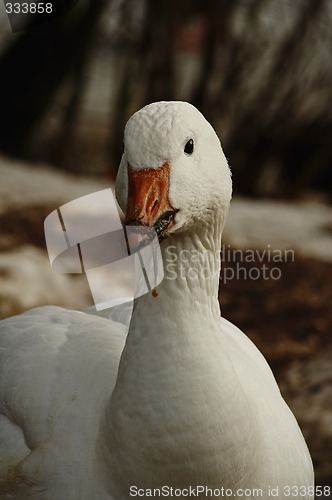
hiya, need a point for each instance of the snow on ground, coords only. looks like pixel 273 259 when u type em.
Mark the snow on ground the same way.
pixel 23 184
pixel 27 280
pixel 303 226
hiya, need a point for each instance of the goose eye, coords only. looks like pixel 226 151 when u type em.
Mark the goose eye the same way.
pixel 189 147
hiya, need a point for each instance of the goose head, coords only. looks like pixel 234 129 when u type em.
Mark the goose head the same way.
pixel 173 174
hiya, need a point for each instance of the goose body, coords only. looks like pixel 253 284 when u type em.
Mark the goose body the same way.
pixel 183 399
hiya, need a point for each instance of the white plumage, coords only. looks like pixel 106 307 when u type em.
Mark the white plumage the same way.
pixel 193 402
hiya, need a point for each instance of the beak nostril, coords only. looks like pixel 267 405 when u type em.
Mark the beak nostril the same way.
pixel 154 204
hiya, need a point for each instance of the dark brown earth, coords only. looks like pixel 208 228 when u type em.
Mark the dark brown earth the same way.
pixel 289 319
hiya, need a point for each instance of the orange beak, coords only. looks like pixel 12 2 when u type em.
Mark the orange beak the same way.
pixel 148 202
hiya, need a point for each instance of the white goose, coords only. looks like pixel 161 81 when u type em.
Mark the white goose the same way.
pixel 190 401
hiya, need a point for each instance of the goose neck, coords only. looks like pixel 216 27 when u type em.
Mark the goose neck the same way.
pixel 191 265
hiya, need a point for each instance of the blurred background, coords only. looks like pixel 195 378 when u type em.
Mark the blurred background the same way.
pixel 259 70
pixel 261 73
